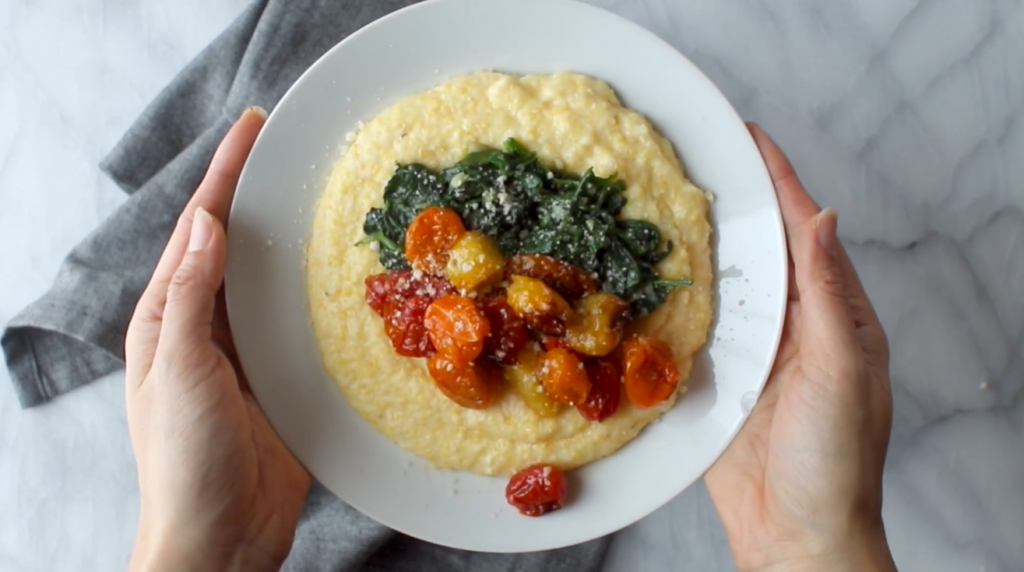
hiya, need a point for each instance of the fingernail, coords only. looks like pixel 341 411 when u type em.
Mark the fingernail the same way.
pixel 825 230
pixel 256 110
pixel 202 230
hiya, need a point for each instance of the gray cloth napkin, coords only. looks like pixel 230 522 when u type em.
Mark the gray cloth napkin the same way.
pixel 75 332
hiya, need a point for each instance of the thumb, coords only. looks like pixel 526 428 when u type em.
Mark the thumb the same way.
pixel 826 320
pixel 192 292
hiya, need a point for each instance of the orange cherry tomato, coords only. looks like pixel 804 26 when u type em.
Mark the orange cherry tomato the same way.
pixel 457 328
pixel 650 375
pixel 476 385
pixel 564 377
pixel 430 237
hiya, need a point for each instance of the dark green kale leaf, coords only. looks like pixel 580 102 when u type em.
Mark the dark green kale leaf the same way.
pixel 527 208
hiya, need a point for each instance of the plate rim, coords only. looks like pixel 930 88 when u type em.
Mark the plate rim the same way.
pixel 779 309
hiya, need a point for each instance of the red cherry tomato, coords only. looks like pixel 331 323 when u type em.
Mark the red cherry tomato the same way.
pixel 402 284
pixel 403 324
pixel 537 489
pixel 605 389
pixel 508 331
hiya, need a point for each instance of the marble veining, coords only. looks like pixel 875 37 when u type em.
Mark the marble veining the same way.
pixel 906 115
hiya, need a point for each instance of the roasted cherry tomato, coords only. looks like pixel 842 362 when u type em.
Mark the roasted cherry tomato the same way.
pixel 457 327
pixel 569 280
pixel 596 327
pixel 430 238
pixel 403 284
pixel 537 489
pixel 650 375
pixel 403 324
pixel 551 342
pixel 524 378
pixel 541 306
pixel 475 262
pixel 605 389
pixel 476 385
pixel 564 377
pixel 508 331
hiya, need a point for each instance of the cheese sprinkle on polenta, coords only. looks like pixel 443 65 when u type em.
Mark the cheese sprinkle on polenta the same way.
pixel 572 122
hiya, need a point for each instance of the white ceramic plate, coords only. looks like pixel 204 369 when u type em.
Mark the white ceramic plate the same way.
pixel 413 50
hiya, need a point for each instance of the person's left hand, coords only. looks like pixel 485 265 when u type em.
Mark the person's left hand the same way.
pixel 219 490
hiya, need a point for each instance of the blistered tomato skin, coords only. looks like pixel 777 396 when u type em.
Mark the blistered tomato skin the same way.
pixel 430 238
pixel 475 385
pixel 569 280
pixel 397 286
pixel 552 342
pixel 537 490
pixel 508 333
pixel 475 262
pixel 597 324
pixel 544 309
pixel 564 377
pixel 457 328
pixel 605 389
pixel 524 378
pixel 650 374
pixel 404 326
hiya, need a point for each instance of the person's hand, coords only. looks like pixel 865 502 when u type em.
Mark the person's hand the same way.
pixel 219 490
pixel 801 486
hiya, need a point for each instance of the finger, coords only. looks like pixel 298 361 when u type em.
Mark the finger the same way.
pixel 225 341
pixel 191 295
pixel 214 195
pixel 222 328
pixel 797 208
pixel 796 205
pixel 865 320
pixel 825 315
pixel 863 312
pixel 793 293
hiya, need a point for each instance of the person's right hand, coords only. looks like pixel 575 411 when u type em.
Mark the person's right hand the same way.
pixel 219 489
pixel 801 486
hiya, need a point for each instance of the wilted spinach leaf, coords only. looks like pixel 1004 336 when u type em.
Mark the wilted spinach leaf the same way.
pixel 527 208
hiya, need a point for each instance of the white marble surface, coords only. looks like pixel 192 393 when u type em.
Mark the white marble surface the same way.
pixel 907 115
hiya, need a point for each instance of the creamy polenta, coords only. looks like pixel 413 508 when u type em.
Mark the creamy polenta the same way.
pixel 571 121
